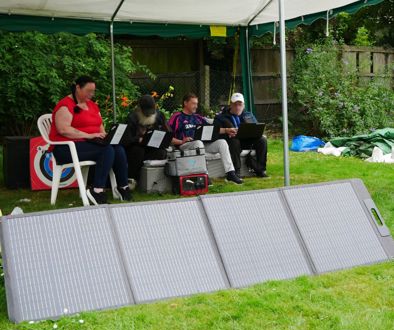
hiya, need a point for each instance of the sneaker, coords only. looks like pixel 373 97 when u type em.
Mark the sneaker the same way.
pixel 96 198
pixel 232 177
pixel 210 183
pixel 124 193
pixel 132 183
pixel 262 174
pixel 238 174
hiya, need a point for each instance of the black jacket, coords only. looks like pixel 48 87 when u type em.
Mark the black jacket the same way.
pixel 225 119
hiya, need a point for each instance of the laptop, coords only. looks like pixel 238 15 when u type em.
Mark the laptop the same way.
pixel 157 139
pixel 117 134
pixel 250 131
pixel 206 133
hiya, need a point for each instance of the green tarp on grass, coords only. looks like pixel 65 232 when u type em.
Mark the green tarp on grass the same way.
pixel 362 145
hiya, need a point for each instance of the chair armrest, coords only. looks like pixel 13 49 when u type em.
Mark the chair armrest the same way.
pixel 73 149
pixel 60 142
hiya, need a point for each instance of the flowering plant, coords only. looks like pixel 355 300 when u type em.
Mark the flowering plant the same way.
pixel 329 98
pixel 124 105
pixel 161 100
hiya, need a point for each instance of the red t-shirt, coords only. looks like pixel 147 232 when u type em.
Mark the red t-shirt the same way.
pixel 88 121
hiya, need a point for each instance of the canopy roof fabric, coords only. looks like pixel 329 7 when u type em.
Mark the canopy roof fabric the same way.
pixel 170 18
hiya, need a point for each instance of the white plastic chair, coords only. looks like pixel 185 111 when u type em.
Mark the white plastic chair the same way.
pixel 81 168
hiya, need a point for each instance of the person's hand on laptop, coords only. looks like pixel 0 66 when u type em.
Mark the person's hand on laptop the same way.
pixel 231 132
pixel 100 135
pixel 186 139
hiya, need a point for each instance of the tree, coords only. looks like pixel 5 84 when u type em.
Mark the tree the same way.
pixel 37 70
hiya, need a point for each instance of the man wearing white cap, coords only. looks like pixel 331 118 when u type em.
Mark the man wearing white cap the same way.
pixel 232 117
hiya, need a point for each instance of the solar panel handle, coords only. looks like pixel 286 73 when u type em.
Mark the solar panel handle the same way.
pixel 377 217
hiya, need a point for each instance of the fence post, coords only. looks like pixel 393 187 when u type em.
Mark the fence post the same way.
pixel 247 82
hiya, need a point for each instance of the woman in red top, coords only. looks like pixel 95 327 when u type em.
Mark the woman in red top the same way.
pixel 77 118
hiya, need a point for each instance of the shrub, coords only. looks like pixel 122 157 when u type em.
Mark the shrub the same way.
pixel 36 71
pixel 362 37
pixel 327 98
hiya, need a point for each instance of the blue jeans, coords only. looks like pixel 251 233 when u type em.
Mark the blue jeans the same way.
pixel 106 157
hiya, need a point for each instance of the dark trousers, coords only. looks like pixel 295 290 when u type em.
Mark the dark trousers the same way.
pixel 136 154
pixel 106 157
pixel 236 146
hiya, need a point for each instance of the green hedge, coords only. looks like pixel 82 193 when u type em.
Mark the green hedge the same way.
pixel 36 70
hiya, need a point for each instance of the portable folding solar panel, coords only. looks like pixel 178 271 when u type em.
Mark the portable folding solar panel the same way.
pixel 68 261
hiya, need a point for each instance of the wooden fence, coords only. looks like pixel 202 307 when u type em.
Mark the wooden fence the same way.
pixel 369 61
pixel 181 64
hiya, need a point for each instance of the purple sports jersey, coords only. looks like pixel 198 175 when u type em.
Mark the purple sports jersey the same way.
pixel 184 125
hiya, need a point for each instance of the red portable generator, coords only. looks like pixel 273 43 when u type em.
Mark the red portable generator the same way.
pixel 190 185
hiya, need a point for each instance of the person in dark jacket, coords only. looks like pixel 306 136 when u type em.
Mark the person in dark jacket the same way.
pixel 232 117
pixel 145 117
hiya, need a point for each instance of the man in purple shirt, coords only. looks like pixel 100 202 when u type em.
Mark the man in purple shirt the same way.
pixel 183 125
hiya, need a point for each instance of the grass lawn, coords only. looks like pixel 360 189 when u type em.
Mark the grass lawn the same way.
pixel 359 298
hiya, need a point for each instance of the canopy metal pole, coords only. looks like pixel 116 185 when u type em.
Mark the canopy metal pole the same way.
pixel 111 31
pixel 265 4
pixel 249 85
pixel 284 93
pixel 246 81
pixel 250 82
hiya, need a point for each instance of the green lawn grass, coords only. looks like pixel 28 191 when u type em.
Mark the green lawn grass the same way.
pixel 359 298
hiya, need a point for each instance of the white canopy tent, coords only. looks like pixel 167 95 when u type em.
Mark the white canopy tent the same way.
pixel 220 12
pixel 251 15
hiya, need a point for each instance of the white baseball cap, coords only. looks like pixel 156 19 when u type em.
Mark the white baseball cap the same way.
pixel 237 97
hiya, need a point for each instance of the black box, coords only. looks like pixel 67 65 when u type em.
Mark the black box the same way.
pixel 16 160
